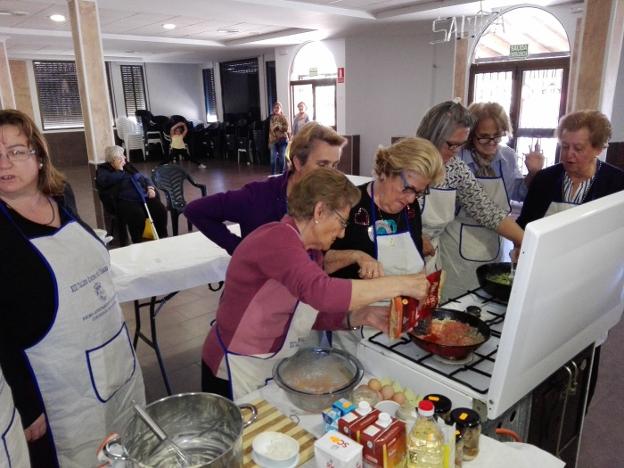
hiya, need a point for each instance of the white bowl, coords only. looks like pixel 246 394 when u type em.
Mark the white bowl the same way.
pixel 388 406
pixel 275 450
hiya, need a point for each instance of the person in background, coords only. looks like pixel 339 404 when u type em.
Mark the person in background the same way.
pixel 578 178
pixel 129 188
pixel 301 118
pixel 276 290
pixel 278 139
pixel 178 147
pixel 15 450
pixel 447 125
pixel 64 347
pixel 466 242
pixel 386 223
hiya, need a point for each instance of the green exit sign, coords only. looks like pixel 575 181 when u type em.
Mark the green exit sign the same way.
pixel 519 50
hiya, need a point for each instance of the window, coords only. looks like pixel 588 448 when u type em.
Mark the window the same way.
pixel 59 98
pixel 133 86
pixel 210 95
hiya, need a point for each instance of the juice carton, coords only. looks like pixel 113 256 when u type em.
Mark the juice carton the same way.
pixel 337 451
pixel 352 424
pixel 385 443
pixel 330 418
pixel 344 406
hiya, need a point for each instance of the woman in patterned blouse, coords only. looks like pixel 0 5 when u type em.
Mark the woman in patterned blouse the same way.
pixel 447 126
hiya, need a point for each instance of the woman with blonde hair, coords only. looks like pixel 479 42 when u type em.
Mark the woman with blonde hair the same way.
pixel 276 290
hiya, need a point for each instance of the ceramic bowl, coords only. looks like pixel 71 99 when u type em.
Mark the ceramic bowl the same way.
pixel 388 406
pixel 275 450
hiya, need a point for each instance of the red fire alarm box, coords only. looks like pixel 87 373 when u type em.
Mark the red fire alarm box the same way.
pixel 341 75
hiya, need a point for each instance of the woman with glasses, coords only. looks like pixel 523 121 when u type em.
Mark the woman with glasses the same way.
pixel 386 222
pixel 447 125
pixel 276 290
pixel 64 347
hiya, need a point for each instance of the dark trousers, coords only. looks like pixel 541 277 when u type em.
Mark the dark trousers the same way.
pixel 133 213
pixel 213 384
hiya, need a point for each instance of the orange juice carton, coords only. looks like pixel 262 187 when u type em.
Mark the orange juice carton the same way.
pixel 385 443
pixel 352 424
pixel 336 450
pixel 407 312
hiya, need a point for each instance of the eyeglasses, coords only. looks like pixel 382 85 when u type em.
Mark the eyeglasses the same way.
pixel 484 140
pixel 19 154
pixel 411 190
pixel 343 222
pixel 453 146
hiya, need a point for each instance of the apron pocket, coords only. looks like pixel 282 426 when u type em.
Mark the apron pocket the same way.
pixel 9 434
pixel 111 365
pixel 478 243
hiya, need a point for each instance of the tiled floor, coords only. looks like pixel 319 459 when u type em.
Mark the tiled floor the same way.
pixel 183 324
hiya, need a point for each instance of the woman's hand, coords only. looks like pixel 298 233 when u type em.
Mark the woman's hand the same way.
pixel 37 429
pixel 416 286
pixel 369 267
pixel 534 159
pixel 428 249
pixel 151 192
pixel 372 316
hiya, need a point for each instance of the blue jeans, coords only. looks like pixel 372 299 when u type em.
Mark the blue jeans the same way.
pixel 278 156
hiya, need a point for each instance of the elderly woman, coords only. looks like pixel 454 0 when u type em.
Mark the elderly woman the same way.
pixel 301 118
pixel 580 176
pixel 276 290
pixel 130 190
pixel 64 346
pixel 447 126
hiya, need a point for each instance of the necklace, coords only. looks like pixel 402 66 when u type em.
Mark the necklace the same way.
pixel 51 208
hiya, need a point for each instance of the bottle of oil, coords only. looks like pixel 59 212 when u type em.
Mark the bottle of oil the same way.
pixel 425 442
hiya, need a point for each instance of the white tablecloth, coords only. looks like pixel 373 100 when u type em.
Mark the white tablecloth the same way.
pixel 172 264
pixel 492 453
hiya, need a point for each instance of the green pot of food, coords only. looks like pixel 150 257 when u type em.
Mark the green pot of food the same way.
pixel 495 279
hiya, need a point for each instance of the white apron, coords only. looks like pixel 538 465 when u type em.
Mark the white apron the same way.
pixel 466 244
pixel 85 366
pixel 399 256
pixel 247 373
pixel 438 211
pixel 13 448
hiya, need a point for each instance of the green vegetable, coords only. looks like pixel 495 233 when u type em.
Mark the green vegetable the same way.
pixel 500 278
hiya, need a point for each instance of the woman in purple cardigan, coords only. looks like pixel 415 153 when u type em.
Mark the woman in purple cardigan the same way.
pixel 276 290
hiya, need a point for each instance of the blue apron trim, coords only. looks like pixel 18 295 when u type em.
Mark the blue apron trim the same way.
pixel 374 221
pixel 4 434
pixel 88 351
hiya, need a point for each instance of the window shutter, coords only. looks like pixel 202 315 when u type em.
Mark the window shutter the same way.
pixel 59 98
pixel 133 86
pixel 210 95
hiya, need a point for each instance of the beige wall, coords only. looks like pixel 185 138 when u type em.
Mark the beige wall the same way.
pixel 21 87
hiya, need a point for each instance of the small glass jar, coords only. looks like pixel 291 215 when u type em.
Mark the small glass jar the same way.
pixel 469 424
pixel 442 406
pixel 459 449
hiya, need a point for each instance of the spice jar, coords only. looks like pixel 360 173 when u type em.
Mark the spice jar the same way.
pixel 459 449
pixel 469 424
pixel 442 406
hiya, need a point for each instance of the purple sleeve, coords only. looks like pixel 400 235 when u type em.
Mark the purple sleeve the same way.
pixel 288 262
pixel 209 213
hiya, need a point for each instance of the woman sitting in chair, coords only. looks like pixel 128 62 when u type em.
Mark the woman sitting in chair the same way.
pixel 131 191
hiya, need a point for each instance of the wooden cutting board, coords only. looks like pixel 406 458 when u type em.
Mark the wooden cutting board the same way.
pixel 271 419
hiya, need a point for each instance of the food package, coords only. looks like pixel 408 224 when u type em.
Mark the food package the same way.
pixel 407 312
pixel 385 444
pixel 337 450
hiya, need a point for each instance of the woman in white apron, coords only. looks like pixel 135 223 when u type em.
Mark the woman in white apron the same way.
pixel 447 126
pixel 276 290
pixel 579 177
pixel 76 351
pixel 13 448
pixel 386 224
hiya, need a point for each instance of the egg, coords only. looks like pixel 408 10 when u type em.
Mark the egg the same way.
pixel 387 392
pixel 399 397
pixel 374 384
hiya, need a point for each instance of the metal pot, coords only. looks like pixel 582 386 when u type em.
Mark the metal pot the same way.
pixel 449 351
pixel 498 290
pixel 206 427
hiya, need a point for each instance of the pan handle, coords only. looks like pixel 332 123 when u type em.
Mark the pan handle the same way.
pixel 254 413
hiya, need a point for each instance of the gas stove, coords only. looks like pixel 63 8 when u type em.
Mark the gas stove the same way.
pixel 463 381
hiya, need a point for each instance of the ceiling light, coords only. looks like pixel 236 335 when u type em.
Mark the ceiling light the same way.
pixel 57 18
pixel 169 26
pixel 227 31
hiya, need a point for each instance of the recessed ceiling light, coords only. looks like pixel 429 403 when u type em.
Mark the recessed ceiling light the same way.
pixel 169 26
pixel 227 31
pixel 57 18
